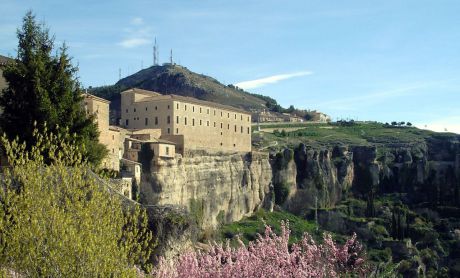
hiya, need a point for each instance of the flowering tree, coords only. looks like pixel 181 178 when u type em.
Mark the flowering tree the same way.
pixel 271 256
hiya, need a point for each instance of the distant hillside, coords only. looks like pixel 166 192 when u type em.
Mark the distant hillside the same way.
pixel 3 61
pixel 175 79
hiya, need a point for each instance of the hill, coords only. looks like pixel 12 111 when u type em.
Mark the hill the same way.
pixel 3 61
pixel 176 79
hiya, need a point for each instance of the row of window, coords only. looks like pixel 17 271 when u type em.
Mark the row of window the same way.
pixel 193 110
pixel 185 123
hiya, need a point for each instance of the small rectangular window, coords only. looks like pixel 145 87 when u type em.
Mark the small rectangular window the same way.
pixel 146 108
pixel 156 120
pixel 193 122
pixel 248 130
pixel 127 122
pixel 221 125
pixel 185 107
pixel 193 108
pixel 207 123
pixel 228 115
pixel 207 111
pixel 177 119
pixel 146 121
pixel 200 109
pixel 241 129
pixel 214 124
pixel 168 120
pixel 200 122
pixel 177 106
pixel 185 120
pixel 168 106
pixel 235 128
pixel 156 108
pixel 169 130
pixel 177 131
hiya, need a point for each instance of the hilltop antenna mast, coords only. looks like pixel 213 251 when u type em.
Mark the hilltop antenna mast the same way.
pixel 155 53
pixel 119 74
pixel 171 57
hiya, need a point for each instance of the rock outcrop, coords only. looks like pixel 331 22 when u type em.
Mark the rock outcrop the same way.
pixel 214 188
pixel 428 172
pixel 317 177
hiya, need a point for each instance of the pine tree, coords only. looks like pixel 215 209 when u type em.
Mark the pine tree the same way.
pixel 43 88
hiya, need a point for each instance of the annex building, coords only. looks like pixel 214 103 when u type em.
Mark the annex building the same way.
pixel 189 123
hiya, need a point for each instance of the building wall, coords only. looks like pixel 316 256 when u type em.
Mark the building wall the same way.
pixel 203 126
pixel 163 150
pixel 112 139
pixel 211 128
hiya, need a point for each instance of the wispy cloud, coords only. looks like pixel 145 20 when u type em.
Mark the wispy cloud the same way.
pixel 368 99
pixel 251 84
pixel 137 21
pixel 134 42
pixel 137 34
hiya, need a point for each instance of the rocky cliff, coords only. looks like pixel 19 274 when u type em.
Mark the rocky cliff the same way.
pixel 214 188
pixel 428 172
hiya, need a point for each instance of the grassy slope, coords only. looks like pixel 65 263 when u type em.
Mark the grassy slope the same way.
pixel 362 133
pixel 249 227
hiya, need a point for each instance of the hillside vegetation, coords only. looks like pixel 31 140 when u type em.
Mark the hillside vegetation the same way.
pixel 175 79
pixel 354 134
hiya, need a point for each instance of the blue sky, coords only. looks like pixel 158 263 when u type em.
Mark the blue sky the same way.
pixel 367 60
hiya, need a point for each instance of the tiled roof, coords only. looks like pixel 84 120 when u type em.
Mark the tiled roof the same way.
pixel 96 98
pixel 195 101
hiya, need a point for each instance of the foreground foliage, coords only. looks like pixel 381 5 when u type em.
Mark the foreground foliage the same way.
pixel 59 221
pixel 270 255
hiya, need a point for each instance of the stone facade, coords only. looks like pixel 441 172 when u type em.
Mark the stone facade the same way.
pixel 190 123
pixel 111 137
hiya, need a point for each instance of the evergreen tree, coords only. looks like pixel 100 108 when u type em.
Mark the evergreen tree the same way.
pixel 43 88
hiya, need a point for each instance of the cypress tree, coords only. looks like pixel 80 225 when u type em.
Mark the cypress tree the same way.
pixel 44 90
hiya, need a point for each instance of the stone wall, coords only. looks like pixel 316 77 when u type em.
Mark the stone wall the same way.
pixel 215 188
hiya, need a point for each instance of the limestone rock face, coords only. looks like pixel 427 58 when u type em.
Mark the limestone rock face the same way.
pixel 214 188
pixel 322 176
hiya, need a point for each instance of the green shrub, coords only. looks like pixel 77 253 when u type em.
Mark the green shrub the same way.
pixel 58 220
pixel 281 192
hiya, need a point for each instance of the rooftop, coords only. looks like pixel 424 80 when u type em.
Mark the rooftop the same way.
pixel 90 96
pixel 157 96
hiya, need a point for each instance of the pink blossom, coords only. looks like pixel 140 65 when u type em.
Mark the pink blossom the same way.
pixel 270 256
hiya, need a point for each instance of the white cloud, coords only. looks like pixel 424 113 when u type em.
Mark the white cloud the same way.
pixel 134 42
pixel 137 21
pixel 137 35
pixel 251 84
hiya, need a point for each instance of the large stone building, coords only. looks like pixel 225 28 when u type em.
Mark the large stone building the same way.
pixel 190 123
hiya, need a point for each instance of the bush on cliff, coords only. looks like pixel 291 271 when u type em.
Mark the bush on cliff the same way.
pixel 58 220
pixel 281 192
pixel 271 255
